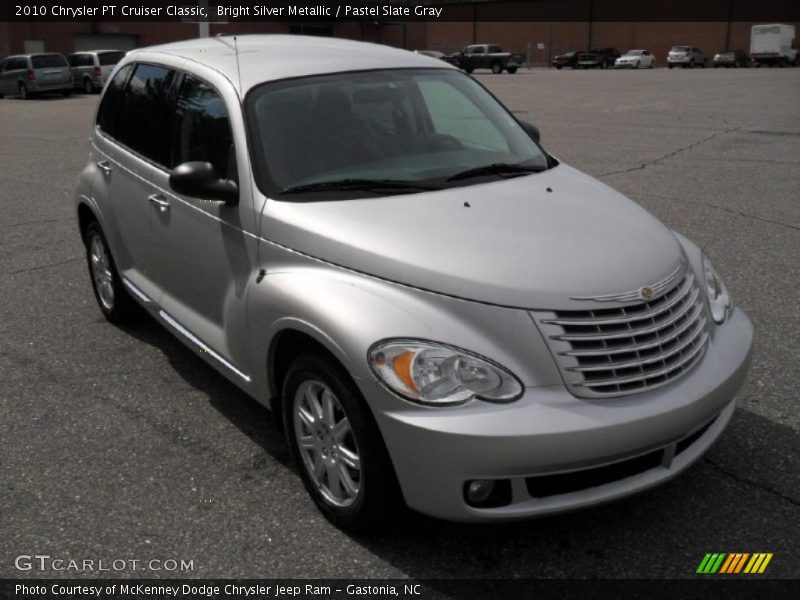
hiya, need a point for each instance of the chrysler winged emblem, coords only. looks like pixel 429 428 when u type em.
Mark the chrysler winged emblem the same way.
pixel 647 293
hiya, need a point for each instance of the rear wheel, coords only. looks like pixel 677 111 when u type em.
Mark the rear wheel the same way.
pixel 336 445
pixel 497 68
pixel 559 67
pixel 112 297
pixel 512 70
pixel 24 94
pixel 88 87
pixel 468 69
pixel 66 93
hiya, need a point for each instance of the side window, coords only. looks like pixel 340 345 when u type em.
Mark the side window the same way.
pixel 479 50
pixel 495 49
pixel 145 114
pixel 202 129
pixel 84 60
pixel 109 106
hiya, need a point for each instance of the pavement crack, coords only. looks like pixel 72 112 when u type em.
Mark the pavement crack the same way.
pixel 750 482
pixel 23 223
pixel 675 152
pixel 732 211
pixel 40 267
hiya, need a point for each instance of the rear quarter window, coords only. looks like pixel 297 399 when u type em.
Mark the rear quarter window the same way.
pixel 48 61
pixel 110 58
pixel 109 106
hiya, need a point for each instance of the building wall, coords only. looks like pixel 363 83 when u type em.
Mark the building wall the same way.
pixel 521 37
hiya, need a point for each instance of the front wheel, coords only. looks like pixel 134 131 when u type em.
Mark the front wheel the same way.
pixel 24 94
pixel 637 65
pixel 112 297
pixel 468 70
pixel 336 445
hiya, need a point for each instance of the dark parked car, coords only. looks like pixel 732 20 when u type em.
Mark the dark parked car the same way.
pixel 589 60
pixel 486 56
pixel 568 59
pixel 609 56
pixel 731 58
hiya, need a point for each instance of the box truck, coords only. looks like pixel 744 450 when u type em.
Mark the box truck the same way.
pixel 773 45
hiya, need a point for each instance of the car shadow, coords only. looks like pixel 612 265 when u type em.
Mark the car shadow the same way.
pixel 742 496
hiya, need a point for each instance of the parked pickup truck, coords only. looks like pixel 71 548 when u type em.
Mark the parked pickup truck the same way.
pixel 487 56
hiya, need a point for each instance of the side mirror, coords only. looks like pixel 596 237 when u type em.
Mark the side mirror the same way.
pixel 199 179
pixel 531 129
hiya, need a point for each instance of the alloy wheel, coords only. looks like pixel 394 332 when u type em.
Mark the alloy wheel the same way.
pixel 102 274
pixel 327 444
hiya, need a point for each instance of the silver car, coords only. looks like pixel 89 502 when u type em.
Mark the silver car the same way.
pixel 90 70
pixel 686 56
pixel 27 75
pixel 443 314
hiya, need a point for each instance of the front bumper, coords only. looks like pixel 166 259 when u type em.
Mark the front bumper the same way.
pixel 549 431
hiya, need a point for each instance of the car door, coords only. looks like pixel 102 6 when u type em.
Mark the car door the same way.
pixel 206 254
pixel 130 155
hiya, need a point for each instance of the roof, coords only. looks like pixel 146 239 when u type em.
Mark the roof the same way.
pixel 272 57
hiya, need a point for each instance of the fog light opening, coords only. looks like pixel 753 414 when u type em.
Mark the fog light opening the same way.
pixel 487 493
pixel 478 491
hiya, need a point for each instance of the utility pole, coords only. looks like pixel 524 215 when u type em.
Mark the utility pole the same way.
pixel 203 26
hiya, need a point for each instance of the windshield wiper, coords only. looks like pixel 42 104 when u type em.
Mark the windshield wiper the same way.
pixel 496 169
pixel 372 185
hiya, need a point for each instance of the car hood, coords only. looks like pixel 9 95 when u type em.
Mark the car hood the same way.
pixel 531 242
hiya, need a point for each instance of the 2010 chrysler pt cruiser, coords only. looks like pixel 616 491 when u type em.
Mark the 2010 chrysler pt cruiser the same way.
pixel 366 241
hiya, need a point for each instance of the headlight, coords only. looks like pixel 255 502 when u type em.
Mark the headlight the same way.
pixel 436 374
pixel 718 297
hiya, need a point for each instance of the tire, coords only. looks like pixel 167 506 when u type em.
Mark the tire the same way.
pixel 113 299
pixel 637 65
pixel 512 70
pixel 670 65
pixel 351 479
pixel 468 70
pixel 691 64
pixel 66 93
pixel 24 94
pixel 559 67
pixel 88 86
pixel 497 68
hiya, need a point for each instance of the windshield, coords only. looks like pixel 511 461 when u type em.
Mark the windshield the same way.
pixel 45 61
pixel 415 129
pixel 680 49
pixel 633 53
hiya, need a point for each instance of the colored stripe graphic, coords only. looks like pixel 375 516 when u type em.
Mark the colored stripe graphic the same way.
pixel 759 562
pixel 734 563
pixel 711 563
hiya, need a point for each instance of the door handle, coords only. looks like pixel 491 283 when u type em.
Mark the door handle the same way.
pixel 104 166
pixel 160 201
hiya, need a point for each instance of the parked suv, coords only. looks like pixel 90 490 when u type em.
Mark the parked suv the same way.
pixel 90 70
pixel 686 56
pixel 440 312
pixel 27 75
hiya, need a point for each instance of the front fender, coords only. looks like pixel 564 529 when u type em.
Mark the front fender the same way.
pixel 348 312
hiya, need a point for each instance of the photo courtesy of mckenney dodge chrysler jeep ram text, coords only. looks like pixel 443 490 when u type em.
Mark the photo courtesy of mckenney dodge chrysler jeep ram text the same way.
pixel 366 241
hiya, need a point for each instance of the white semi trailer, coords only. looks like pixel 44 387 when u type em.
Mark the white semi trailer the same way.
pixel 773 45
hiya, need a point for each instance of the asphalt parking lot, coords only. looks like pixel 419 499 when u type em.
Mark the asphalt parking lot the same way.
pixel 121 444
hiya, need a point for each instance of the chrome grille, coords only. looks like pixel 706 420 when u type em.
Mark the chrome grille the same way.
pixel 618 351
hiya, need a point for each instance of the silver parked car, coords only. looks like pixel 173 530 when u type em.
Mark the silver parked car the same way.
pixel 686 56
pixel 365 240
pixel 27 75
pixel 90 70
